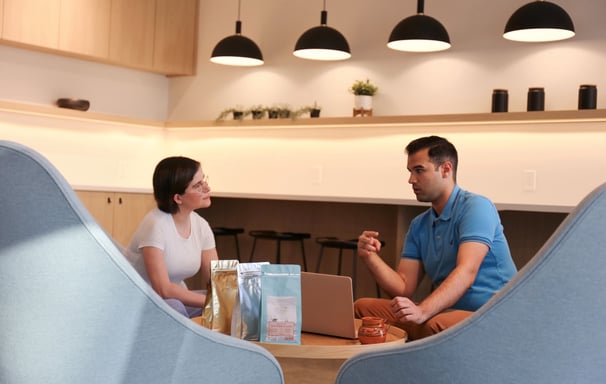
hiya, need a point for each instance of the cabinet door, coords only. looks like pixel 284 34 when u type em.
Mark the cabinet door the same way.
pixel 84 27
pixel 100 205
pixel 32 22
pixel 176 36
pixel 129 210
pixel 1 14
pixel 131 39
pixel 118 213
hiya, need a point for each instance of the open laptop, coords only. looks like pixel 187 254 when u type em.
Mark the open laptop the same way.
pixel 327 305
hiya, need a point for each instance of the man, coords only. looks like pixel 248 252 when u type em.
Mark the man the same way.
pixel 459 243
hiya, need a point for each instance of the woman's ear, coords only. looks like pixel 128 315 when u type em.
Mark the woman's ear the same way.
pixel 177 199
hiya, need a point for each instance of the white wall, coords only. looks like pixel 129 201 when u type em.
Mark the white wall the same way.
pixel 90 154
pixel 459 80
pixel 329 163
pixel 356 163
pixel 42 78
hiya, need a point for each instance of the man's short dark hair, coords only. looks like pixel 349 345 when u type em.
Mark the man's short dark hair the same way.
pixel 439 151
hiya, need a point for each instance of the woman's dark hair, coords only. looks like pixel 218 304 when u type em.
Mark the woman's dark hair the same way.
pixel 440 150
pixel 171 177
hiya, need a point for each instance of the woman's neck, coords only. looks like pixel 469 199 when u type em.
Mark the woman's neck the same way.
pixel 182 223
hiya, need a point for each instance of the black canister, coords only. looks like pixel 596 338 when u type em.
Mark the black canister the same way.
pixel 588 96
pixel 536 99
pixel 500 100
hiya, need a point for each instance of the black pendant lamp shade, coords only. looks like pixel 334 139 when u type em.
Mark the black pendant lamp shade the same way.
pixel 539 21
pixel 419 33
pixel 237 50
pixel 322 43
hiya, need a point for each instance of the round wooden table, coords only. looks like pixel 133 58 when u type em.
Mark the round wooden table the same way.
pixel 318 358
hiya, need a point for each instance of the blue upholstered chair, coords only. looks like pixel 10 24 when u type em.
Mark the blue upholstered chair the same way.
pixel 73 310
pixel 546 326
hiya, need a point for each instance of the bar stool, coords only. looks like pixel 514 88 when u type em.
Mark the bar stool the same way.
pixel 224 231
pixel 336 243
pixel 279 237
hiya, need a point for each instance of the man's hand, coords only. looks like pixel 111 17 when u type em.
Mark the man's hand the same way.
pixel 405 309
pixel 368 243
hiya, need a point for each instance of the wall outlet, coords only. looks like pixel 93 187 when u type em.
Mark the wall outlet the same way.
pixel 530 180
pixel 317 172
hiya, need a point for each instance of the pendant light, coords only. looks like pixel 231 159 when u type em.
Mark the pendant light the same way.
pixel 236 49
pixel 419 33
pixel 539 21
pixel 322 43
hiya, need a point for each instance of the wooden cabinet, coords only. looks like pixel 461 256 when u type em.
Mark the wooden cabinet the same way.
pixel 175 36
pixel 131 39
pixel 84 27
pixel 118 213
pixel 152 35
pixel 32 22
pixel 1 14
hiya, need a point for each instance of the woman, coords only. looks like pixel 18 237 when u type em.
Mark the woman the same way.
pixel 173 242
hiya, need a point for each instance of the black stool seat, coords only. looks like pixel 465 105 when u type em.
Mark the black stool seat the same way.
pixel 279 237
pixel 224 231
pixel 336 243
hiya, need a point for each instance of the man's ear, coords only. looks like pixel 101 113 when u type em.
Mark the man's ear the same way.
pixel 446 169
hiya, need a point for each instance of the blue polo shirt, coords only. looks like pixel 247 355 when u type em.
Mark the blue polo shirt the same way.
pixel 435 242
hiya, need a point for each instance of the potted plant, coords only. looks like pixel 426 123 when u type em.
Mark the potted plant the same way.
pixel 257 112
pixel 314 111
pixel 363 92
pixel 237 113
pixel 272 112
pixel 280 111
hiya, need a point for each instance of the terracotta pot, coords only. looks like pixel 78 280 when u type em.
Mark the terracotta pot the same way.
pixel 372 331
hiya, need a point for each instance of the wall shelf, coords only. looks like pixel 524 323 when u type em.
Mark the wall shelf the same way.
pixel 508 118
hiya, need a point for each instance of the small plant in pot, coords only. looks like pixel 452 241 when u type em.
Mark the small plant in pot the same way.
pixel 363 92
pixel 363 88
pixel 257 112
pixel 237 113
pixel 279 112
pixel 314 111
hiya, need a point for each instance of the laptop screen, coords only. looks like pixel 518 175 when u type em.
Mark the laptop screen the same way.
pixel 327 305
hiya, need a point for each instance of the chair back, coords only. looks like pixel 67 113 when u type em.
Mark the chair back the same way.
pixel 545 326
pixel 75 311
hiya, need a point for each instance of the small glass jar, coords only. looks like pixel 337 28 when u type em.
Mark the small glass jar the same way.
pixel 588 95
pixel 372 331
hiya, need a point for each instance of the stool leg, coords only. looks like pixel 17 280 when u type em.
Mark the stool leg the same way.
pixel 237 247
pixel 278 252
pixel 252 251
pixel 355 273
pixel 303 254
pixel 340 260
pixel 319 258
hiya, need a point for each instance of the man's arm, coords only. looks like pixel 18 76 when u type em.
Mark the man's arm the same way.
pixel 469 259
pixel 402 282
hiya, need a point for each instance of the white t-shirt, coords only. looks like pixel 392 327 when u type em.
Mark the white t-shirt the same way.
pixel 182 256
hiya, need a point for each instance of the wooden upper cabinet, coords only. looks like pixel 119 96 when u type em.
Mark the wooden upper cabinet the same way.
pixel 131 39
pixel 31 22
pixel 1 15
pixel 84 27
pixel 153 35
pixel 176 36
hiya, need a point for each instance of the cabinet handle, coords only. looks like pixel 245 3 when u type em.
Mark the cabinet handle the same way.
pixel 109 200
pixel 120 200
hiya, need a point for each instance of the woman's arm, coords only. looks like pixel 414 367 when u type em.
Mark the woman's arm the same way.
pixel 158 277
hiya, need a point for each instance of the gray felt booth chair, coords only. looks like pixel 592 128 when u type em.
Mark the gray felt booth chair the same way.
pixel 546 326
pixel 75 311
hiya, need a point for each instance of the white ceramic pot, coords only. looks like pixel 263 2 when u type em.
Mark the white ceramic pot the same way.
pixel 363 102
